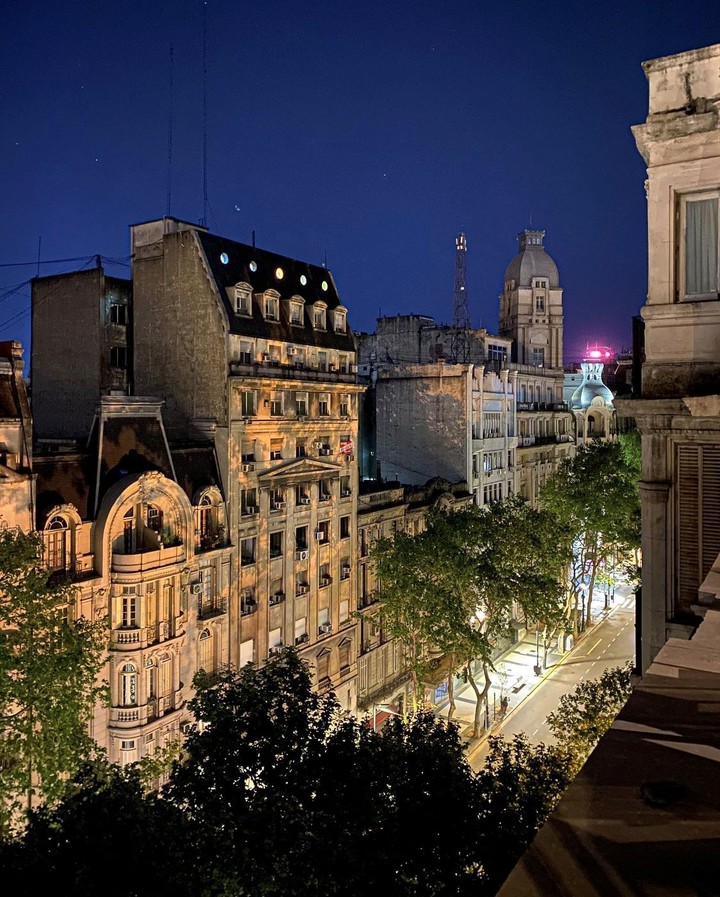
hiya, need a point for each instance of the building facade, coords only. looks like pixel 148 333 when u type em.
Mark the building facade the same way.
pixel 17 483
pixel 678 413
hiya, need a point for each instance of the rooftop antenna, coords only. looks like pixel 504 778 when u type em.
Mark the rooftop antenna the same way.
pixel 460 344
pixel 253 238
pixel 170 135
pixel 203 220
pixel 325 261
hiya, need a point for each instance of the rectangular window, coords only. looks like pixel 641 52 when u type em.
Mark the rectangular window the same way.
pixel 118 357
pixel 301 538
pixel 296 314
pixel 302 495
pixel 248 403
pixel 344 406
pixel 247 652
pixel 276 447
pixel 322 534
pixel 300 448
pixel 324 404
pixel 276 544
pixel 340 322
pixel 248 451
pixel 345 488
pixel 248 502
pixel 129 609
pixel 344 612
pixel 243 302
pixel 276 404
pixel 275 639
pixel 345 527
pixel 324 490
pixel 322 361
pixel 247 550
pixel 277 499
pixel 301 404
pixel 344 568
pixel 272 308
pixel 319 319
pixel 324 580
pixel 344 364
pixel 699 246
pixel 539 303
pixel 118 314
pixel 538 357
pixel 496 353
pixel 300 629
pixel 245 355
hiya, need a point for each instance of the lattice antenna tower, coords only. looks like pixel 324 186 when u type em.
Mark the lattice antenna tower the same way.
pixel 460 346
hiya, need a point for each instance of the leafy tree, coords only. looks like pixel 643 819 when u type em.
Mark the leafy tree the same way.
pixel 49 669
pixel 584 715
pixel 455 587
pixel 520 785
pixel 594 497
pixel 106 836
pixel 293 797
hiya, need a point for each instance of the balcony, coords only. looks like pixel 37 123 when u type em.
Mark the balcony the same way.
pixel 293 371
pixel 147 559
pixel 211 608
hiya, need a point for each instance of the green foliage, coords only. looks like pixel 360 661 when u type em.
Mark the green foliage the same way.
pixel 520 785
pixel 49 668
pixel 281 794
pixel 583 716
pixel 105 837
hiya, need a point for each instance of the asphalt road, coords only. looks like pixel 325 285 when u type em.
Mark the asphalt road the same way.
pixel 610 643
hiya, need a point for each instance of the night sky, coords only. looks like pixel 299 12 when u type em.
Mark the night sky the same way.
pixel 368 132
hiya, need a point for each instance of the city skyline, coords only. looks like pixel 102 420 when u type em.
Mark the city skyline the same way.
pixel 369 137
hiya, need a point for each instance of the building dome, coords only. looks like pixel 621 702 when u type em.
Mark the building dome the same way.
pixel 532 261
pixel 592 387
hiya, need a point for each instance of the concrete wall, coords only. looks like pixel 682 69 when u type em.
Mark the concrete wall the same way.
pixel 179 332
pixel 422 419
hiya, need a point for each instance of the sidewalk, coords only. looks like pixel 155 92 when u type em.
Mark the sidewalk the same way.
pixel 514 677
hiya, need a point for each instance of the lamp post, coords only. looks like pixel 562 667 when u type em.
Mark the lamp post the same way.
pixel 537 668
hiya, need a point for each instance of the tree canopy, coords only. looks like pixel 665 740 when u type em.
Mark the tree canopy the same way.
pixel 281 793
pixel 456 587
pixel 49 669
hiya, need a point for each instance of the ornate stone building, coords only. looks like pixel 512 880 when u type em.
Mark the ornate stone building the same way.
pixel 17 486
pixel 678 413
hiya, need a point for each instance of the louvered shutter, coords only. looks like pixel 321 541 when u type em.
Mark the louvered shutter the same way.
pixel 698 518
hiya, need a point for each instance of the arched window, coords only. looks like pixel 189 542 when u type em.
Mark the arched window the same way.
pixel 128 685
pixel 205 651
pixel 55 536
pixel 151 680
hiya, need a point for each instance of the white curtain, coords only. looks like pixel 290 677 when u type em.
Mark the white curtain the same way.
pixel 701 247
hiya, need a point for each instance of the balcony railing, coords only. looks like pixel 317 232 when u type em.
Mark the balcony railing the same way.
pixel 211 608
pixel 295 371
pixel 146 559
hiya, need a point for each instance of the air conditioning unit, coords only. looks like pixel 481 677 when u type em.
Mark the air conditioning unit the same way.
pixel 302 588
pixel 325 450
pixel 277 598
pixel 346 568
pixel 325 580
pixel 266 356
pixel 320 535
pixel 301 639
pixel 302 554
pixel 325 627
pixel 291 350
pixel 278 505
pixel 275 649
pixel 246 468
pixel 324 496
pixel 304 500
pixel 250 512
pixel 196 588
pixel 331 367
pixel 345 493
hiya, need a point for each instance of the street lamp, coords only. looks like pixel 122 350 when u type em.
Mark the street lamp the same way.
pixel 384 709
pixel 537 668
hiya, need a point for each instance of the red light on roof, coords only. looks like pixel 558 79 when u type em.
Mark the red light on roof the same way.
pixel 595 353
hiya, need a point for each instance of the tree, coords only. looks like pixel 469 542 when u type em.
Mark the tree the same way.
pixel 583 716
pixel 594 497
pixel 106 836
pixel 455 587
pixel 49 669
pixel 290 796
pixel 519 786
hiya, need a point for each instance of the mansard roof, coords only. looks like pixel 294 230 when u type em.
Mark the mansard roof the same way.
pixel 231 263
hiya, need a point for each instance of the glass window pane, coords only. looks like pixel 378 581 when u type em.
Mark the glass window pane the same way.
pixel 701 246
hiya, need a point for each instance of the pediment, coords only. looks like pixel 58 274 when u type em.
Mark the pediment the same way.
pixel 298 470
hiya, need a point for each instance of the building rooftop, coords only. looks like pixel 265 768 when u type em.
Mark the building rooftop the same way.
pixel 532 261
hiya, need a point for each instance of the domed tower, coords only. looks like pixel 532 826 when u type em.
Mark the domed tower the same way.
pixel 531 311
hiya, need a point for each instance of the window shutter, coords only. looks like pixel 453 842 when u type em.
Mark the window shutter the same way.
pixel 698 518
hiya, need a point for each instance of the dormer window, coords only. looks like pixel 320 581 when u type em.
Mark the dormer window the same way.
pixel 340 321
pixel 320 316
pixel 243 299
pixel 296 311
pixel 272 308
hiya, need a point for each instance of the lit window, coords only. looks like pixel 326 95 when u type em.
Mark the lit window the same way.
pixel 296 314
pixel 279 273
pixel 128 685
pixel 340 321
pixel 224 258
pixel 55 538
pixel 272 308
pixel 324 285
pixel 319 318
pixel 253 266
pixel 303 280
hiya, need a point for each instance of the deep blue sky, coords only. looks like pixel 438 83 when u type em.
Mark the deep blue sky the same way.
pixel 372 132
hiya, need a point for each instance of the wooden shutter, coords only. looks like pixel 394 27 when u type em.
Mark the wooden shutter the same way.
pixel 698 518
